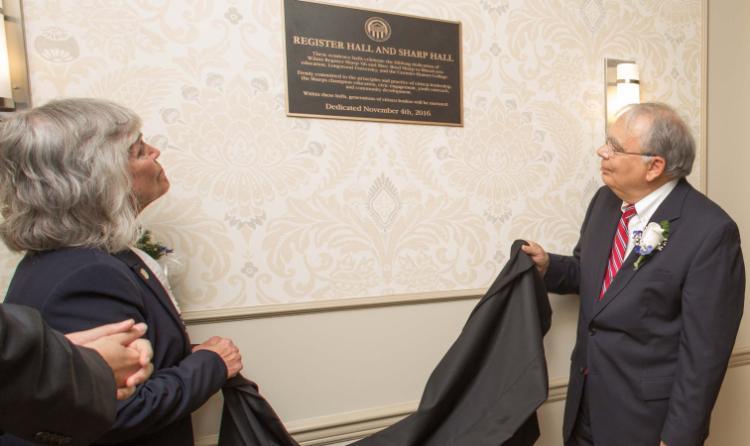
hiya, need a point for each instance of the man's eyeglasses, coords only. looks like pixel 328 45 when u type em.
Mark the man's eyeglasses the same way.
pixel 611 149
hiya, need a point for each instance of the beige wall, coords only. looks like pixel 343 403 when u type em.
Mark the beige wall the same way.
pixel 728 118
pixel 269 213
pixel 267 209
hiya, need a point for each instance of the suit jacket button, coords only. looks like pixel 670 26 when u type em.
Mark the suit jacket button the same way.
pixel 581 370
pixel 592 331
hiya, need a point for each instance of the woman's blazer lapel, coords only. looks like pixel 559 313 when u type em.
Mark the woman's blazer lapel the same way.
pixel 147 277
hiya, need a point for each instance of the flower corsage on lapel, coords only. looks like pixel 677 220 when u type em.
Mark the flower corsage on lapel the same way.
pixel 653 238
pixel 147 244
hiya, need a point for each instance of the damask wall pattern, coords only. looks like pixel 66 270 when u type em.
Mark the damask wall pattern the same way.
pixel 265 208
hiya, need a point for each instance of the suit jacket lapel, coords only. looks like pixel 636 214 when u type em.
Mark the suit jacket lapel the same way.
pixel 623 276
pixel 146 276
pixel 670 209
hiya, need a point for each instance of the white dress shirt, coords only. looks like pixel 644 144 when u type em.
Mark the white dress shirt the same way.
pixel 645 208
pixel 158 271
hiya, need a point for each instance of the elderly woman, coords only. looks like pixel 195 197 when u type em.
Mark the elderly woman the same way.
pixel 74 174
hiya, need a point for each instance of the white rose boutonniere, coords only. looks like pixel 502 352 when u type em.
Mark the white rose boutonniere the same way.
pixel 653 238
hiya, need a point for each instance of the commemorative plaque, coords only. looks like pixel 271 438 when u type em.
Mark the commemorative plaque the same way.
pixel 349 63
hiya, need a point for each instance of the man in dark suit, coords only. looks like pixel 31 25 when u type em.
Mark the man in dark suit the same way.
pixel 659 308
pixel 53 392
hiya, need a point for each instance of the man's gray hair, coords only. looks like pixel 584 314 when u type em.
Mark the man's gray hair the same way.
pixel 666 135
pixel 64 178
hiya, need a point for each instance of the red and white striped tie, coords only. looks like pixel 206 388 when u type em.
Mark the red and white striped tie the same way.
pixel 619 245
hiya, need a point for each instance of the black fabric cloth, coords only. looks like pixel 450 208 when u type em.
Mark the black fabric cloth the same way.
pixel 248 419
pixel 486 389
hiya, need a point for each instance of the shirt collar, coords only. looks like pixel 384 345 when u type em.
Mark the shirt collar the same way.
pixel 646 206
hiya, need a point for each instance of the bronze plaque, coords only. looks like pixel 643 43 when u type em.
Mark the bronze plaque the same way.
pixel 348 63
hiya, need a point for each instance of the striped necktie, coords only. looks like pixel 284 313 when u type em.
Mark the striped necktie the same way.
pixel 619 245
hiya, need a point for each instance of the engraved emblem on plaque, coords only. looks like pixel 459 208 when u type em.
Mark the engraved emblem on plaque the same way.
pixel 377 29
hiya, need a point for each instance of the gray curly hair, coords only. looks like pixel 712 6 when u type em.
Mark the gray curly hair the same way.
pixel 64 178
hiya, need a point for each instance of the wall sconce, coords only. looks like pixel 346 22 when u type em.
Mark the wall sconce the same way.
pixel 622 87
pixel 6 91
pixel 14 73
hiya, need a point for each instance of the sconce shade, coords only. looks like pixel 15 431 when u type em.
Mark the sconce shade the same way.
pixel 14 71
pixel 628 85
pixel 621 87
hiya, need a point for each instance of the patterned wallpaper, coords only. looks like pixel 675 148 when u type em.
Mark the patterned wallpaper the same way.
pixel 270 209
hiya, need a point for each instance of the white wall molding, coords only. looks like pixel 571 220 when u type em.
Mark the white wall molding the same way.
pixel 558 388
pixel 208 440
pixel 361 303
pixel 348 426
pixel 740 357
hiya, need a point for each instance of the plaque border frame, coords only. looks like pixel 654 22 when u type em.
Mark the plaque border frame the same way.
pixel 356 118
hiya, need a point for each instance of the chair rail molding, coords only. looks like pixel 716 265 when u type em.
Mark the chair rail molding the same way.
pixel 209 316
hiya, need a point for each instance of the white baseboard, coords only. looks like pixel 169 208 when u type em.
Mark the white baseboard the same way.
pixel 348 426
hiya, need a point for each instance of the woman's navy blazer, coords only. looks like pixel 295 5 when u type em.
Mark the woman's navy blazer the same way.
pixel 80 288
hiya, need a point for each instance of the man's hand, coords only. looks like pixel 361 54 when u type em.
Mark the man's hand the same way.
pixel 120 345
pixel 538 255
pixel 228 352
pixel 661 443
